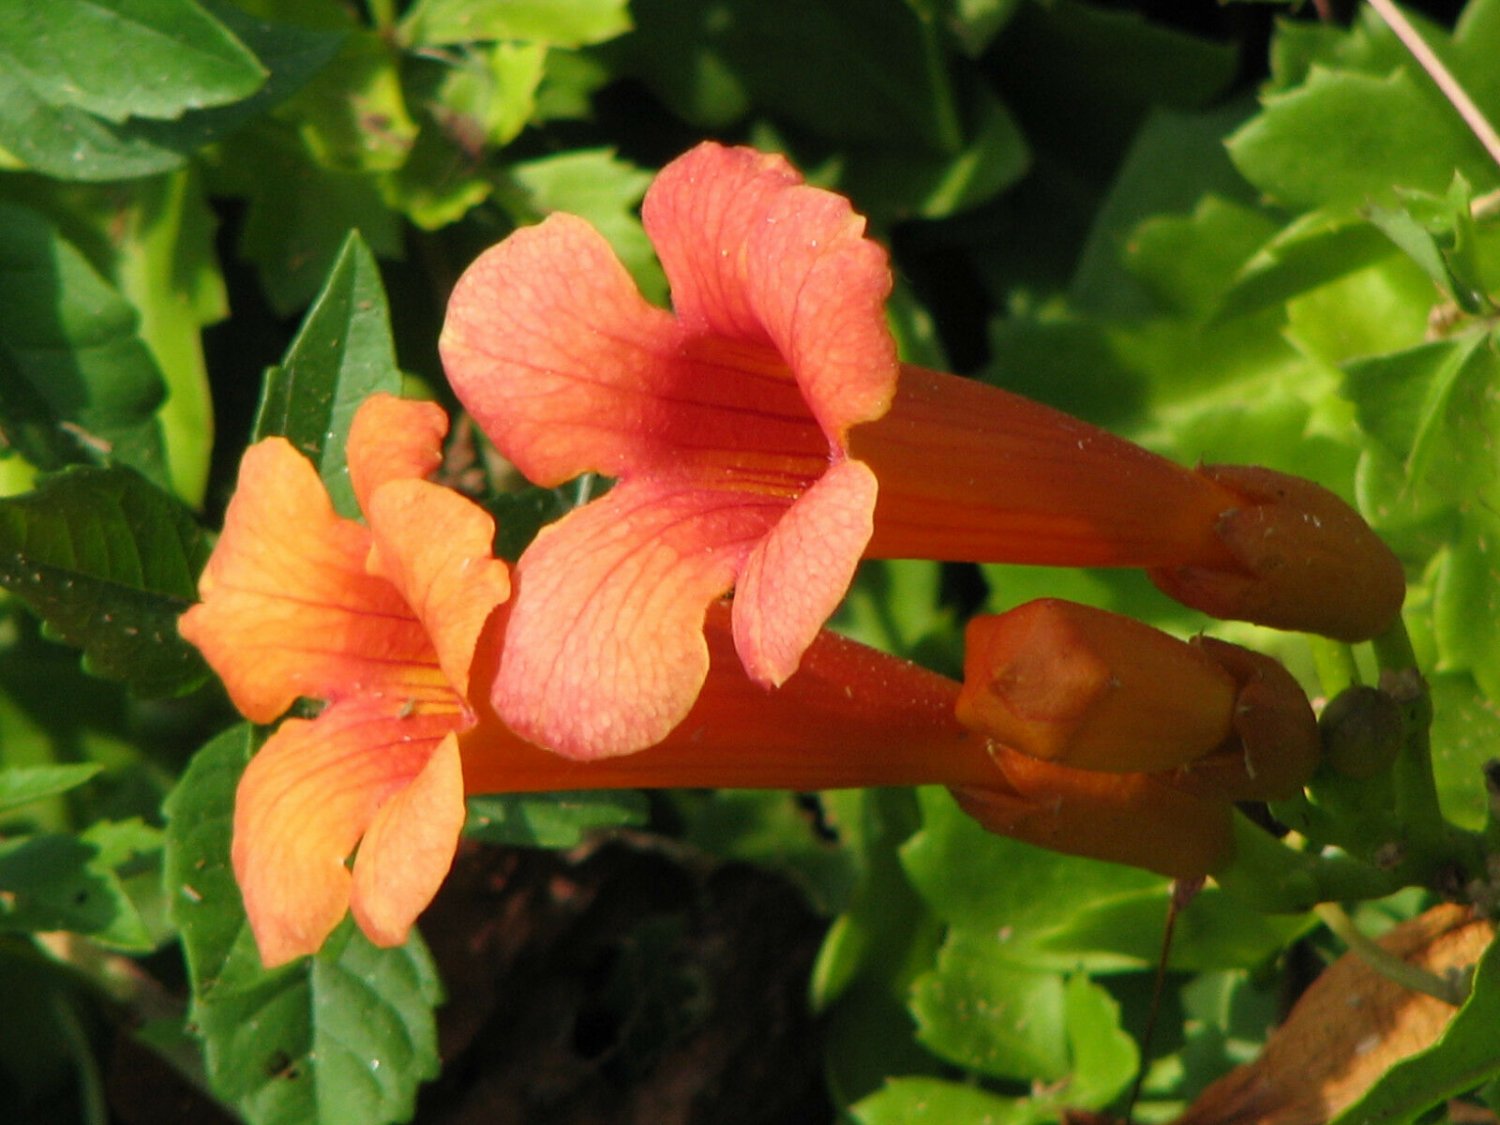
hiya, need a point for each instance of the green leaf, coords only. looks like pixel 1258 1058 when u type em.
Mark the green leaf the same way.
pixel 50 882
pixel 1065 913
pixel 342 355
pixel 598 186
pixel 1431 406
pixel 126 58
pixel 866 72
pixel 109 562
pixel 20 786
pixel 911 1100
pixel 985 1013
pixel 77 383
pixel 1104 1057
pixel 1465 596
pixel 907 181
pixel 70 144
pixel 352 113
pixel 574 24
pixel 65 882
pixel 1342 140
pixel 301 213
pixel 346 1035
pixel 203 899
pixel 1310 251
pixel 551 820
pixel 1463 1059
pixel 1465 733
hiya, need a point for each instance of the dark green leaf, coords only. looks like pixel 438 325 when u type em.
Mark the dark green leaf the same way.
pixel 126 58
pixel 21 785
pixel 69 144
pixel 551 820
pixel 861 71
pixel 77 383
pixel 1463 1059
pixel 202 897
pixel 346 1035
pixel 109 562
pixel 65 882
pixel 342 355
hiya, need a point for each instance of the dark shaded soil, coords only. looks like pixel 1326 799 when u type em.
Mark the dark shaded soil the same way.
pixel 619 983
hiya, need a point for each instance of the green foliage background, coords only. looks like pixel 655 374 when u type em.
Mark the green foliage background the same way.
pixel 1234 234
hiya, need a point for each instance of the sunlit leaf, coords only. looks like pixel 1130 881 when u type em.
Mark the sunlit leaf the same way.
pixel 342 355
pixel 21 785
pixel 574 24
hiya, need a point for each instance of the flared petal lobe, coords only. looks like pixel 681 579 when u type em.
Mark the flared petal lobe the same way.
pixel 604 653
pixel 753 254
pixel 381 621
pixel 302 805
pixel 287 606
pixel 723 425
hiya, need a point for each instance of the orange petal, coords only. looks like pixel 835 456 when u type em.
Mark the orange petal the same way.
pixel 798 574
pixel 554 352
pixel 390 439
pixel 303 803
pixel 604 651
pixel 435 547
pixel 754 254
pixel 288 609
pixel 408 848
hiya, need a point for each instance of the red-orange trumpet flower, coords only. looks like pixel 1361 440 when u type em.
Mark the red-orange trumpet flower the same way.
pixel 398 624
pixel 764 437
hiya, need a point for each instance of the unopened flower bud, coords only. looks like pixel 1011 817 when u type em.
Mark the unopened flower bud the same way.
pixel 1094 690
pixel 1306 561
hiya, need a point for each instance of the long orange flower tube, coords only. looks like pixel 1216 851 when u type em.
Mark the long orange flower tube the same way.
pixel 392 620
pixel 764 438
pixel 379 620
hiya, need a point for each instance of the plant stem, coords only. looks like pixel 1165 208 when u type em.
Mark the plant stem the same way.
pixel 1276 879
pixel 1384 962
pixel 1335 665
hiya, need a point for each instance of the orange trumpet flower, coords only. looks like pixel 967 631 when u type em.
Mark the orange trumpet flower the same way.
pixel 764 437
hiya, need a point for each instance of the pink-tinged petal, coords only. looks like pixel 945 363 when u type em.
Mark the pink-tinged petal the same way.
pixel 435 547
pixel 700 213
pixel 288 609
pixel 754 254
pixel 604 651
pixel 798 574
pixel 302 805
pixel 554 352
pixel 408 848
pixel 393 438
